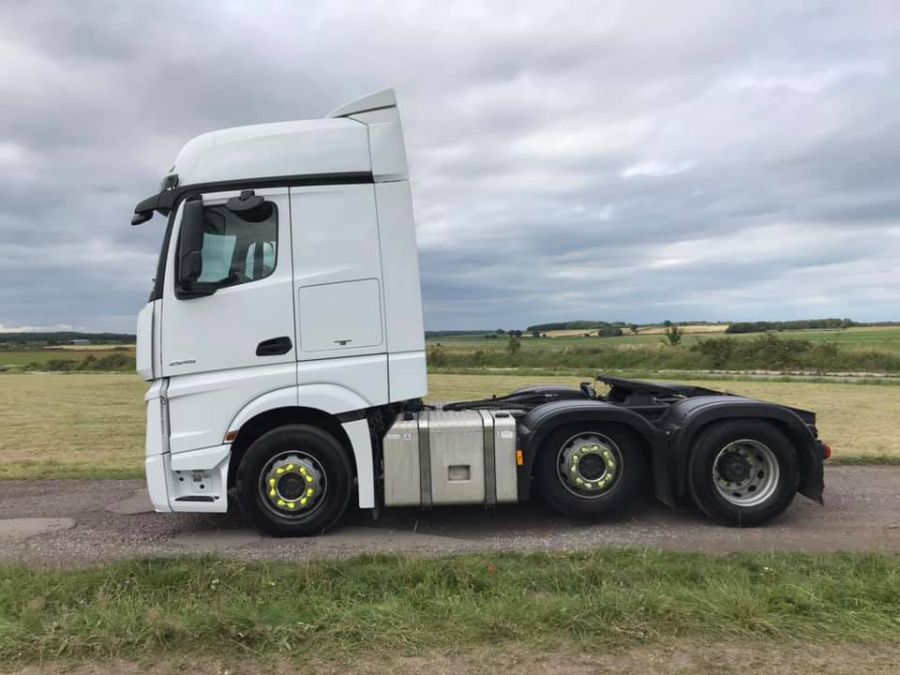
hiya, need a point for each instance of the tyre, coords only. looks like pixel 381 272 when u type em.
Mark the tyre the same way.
pixel 294 481
pixel 743 472
pixel 590 470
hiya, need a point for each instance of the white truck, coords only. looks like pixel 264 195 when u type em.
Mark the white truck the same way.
pixel 284 343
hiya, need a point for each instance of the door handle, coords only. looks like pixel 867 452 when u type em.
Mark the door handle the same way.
pixel 274 347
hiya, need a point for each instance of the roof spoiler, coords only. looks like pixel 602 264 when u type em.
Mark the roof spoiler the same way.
pixel 378 111
pixel 385 98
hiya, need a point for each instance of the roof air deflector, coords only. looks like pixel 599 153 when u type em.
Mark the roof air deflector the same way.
pixel 384 98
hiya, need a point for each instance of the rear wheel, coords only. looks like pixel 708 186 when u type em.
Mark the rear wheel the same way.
pixel 590 470
pixel 294 481
pixel 743 472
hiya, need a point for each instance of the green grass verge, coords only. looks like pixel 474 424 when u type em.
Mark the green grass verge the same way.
pixel 385 604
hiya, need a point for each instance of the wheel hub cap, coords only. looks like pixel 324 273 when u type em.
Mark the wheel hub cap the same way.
pixel 292 484
pixel 591 466
pixel 735 467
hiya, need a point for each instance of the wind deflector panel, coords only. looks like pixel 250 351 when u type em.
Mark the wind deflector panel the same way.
pixel 384 98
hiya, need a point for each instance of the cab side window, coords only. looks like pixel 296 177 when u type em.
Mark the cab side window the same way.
pixel 238 248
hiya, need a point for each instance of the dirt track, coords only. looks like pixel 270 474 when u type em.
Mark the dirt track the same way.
pixel 861 513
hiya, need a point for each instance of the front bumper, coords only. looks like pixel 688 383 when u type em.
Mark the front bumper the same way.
pixel 195 481
pixel 155 469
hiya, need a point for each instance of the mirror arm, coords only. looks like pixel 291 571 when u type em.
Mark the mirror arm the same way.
pixel 161 202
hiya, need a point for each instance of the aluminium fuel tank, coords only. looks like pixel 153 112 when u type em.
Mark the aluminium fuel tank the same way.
pixel 450 457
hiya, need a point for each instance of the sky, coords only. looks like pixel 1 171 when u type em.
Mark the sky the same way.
pixel 617 161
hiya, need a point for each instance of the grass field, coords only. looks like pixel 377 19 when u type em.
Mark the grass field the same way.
pixel 78 425
pixel 92 425
pixel 581 605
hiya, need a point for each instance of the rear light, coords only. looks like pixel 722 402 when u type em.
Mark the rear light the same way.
pixel 827 450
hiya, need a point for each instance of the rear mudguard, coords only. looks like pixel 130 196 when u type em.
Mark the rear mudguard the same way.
pixel 537 425
pixel 685 419
pixel 670 439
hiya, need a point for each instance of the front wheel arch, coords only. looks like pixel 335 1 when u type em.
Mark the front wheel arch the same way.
pixel 266 421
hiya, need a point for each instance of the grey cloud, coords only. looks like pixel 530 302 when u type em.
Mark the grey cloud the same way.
pixel 568 160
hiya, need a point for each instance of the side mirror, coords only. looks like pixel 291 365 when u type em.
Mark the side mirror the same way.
pixel 190 244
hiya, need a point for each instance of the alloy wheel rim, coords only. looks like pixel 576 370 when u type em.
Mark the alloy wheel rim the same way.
pixel 589 465
pixel 292 484
pixel 746 472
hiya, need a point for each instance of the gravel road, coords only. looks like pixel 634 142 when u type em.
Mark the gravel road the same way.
pixel 81 522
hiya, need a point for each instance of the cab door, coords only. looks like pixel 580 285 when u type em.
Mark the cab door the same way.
pixel 248 321
pixel 222 350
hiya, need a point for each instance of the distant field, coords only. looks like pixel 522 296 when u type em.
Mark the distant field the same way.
pixel 701 329
pixel 92 425
pixel 882 339
pixel 73 353
pixel 78 348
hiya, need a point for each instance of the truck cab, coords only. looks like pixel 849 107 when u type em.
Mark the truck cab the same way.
pixel 297 289
pixel 284 343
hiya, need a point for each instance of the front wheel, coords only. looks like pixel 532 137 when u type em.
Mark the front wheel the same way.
pixel 743 472
pixel 590 470
pixel 294 481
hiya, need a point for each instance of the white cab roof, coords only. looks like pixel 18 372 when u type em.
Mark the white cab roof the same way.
pixel 270 150
pixel 368 142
